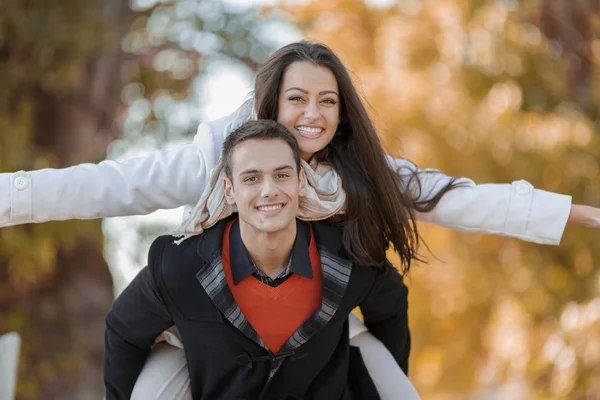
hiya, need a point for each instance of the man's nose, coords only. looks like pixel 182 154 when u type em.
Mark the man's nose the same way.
pixel 269 188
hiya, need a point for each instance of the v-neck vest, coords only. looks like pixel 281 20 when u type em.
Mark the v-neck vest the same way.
pixel 276 313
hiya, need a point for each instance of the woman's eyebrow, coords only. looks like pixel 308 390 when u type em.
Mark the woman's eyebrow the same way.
pixel 297 88
pixel 306 91
pixel 329 92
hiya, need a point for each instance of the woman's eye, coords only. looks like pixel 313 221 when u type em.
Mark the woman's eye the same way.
pixel 295 98
pixel 330 101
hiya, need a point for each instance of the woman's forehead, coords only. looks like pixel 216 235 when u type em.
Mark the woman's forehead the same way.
pixel 309 77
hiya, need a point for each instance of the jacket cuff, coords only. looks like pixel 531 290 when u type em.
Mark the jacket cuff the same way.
pixel 536 215
pixel 20 187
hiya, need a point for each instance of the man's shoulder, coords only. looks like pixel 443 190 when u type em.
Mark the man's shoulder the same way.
pixel 365 277
pixel 166 243
pixel 328 236
pixel 169 248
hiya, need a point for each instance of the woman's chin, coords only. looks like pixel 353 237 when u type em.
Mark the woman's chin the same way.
pixel 314 145
pixel 307 151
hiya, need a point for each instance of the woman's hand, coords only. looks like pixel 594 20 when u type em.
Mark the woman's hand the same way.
pixel 584 215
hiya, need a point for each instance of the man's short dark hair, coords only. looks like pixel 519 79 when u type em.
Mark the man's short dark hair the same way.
pixel 260 129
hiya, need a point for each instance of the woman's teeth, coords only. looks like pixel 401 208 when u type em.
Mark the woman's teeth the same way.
pixel 309 131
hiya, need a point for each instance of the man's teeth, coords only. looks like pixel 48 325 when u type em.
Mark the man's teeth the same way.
pixel 310 131
pixel 270 208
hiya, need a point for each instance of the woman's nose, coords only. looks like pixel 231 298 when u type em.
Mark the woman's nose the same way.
pixel 311 111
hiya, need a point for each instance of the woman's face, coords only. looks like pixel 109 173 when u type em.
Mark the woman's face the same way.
pixel 309 106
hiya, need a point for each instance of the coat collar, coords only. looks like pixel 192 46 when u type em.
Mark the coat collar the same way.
pixel 242 265
pixel 336 272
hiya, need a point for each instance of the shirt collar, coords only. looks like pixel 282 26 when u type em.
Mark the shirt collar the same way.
pixel 241 263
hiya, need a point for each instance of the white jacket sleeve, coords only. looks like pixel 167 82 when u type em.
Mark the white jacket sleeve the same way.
pixel 162 179
pixel 517 209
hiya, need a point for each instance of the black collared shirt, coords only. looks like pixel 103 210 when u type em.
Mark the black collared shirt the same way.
pixel 242 265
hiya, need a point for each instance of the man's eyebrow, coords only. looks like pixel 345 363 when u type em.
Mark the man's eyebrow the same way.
pixel 282 167
pixel 306 91
pixel 249 171
pixel 256 171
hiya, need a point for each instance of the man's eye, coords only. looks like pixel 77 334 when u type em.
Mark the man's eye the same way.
pixel 282 176
pixel 251 179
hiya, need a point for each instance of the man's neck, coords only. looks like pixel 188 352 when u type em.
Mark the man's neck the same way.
pixel 270 252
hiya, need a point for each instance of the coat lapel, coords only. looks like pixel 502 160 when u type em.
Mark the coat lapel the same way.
pixel 335 276
pixel 212 278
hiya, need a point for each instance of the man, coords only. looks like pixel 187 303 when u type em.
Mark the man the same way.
pixel 261 299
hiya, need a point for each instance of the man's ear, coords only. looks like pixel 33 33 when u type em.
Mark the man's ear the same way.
pixel 229 193
pixel 301 183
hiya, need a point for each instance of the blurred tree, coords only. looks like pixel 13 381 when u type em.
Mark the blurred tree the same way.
pixel 73 73
pixel 60 93
pixel 496 90
pixel 572 26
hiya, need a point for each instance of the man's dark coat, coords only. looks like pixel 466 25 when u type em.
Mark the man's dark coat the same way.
pixel 184 285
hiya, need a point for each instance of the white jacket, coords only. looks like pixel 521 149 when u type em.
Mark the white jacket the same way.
pixel 170 179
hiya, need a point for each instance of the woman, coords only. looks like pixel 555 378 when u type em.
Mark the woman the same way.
pixel 307 89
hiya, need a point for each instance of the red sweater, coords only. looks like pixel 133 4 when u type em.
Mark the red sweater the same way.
pixel 276 313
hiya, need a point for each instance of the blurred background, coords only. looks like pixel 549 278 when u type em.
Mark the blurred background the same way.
pixel 495 90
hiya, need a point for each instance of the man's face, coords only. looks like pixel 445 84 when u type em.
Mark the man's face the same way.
pixel 264 184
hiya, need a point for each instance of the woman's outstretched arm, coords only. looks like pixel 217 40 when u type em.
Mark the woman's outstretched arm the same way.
pixel 160 180
pixel 514 209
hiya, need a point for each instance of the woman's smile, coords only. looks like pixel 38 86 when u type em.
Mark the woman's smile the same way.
pixel 309 132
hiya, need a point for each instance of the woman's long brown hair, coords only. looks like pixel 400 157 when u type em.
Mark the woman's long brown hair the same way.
pixel 380 206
